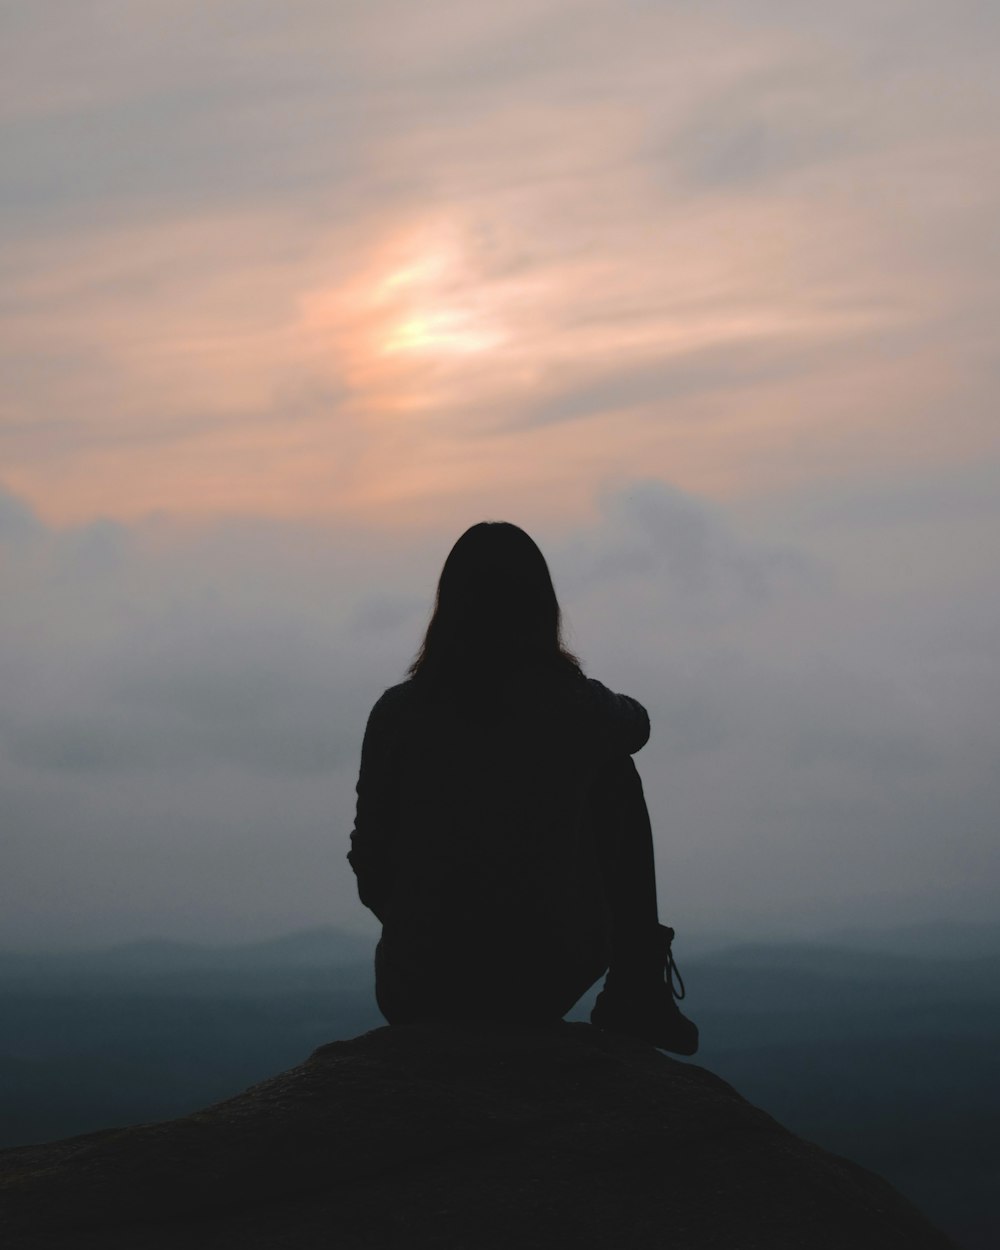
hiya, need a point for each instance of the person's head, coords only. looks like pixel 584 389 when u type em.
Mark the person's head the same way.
pixel 496 609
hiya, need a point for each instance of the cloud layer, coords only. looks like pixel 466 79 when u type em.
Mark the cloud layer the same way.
pixel 183 711
pixel 699 294
pixel 371 259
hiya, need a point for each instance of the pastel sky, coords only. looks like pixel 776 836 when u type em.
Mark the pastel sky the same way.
pixel 704 295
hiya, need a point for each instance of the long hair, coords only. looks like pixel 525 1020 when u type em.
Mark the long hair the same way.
pixel 495 611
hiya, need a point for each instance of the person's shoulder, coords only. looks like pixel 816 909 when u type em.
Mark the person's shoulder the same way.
pixel 388 713
pixel 394 698
pixel 395 694
pixel 558 687
pixel 576 694
pixel 597 692
pixel 621 715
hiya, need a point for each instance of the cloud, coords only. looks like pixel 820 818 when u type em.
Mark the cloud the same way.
pixel 18 523
pixel 184 706
pixel 696 293
pixel 653 532
pixel 653 386
pixel 649 216
pixel 159 655
pixel 769 127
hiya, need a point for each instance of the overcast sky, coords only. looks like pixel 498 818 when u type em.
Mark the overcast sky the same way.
pixel 702 295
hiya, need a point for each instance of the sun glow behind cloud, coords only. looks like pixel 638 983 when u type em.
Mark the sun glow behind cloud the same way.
pixel 468 365
pixel 432 305
pixel 734 263
pixel 407 320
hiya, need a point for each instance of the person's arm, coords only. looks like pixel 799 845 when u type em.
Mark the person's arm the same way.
pixel 374 832
pixel 623 721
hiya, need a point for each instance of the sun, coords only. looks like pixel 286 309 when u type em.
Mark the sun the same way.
pixel 434 304
pixel 442 332
pixel 420 323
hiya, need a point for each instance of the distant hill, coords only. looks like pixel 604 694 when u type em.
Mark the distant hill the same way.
pixel 310 948
pixel 946 939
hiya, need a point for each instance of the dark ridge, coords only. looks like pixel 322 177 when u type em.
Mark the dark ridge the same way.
pixel 459 1137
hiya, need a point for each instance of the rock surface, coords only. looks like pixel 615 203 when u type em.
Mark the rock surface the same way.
pixel 459 1138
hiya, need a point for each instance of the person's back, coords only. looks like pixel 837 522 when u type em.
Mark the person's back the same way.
pixel 490 865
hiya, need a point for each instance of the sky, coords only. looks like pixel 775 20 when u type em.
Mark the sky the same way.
pixel 704 296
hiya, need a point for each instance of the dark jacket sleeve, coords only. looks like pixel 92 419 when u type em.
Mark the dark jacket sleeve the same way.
pixel 622 721
pixel 377 812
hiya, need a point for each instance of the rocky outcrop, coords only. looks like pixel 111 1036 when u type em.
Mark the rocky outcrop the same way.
pixel 459 1138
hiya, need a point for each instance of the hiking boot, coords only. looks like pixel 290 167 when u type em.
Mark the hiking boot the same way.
pixel 653 1017
pixel 643 1006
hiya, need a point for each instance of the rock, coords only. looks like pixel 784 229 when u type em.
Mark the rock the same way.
pixel 459 1137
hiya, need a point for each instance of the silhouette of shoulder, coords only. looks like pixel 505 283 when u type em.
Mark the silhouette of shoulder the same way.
pixel 620 721
pixel 622 718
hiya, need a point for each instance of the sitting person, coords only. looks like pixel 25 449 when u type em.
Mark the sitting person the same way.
pixel 502 836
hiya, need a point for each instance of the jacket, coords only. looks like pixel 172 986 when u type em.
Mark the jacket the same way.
pixel 472 840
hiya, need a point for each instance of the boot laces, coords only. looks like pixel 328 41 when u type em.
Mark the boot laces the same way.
pixel 672 974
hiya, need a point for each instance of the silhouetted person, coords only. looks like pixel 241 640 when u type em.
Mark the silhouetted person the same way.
pixel 502 836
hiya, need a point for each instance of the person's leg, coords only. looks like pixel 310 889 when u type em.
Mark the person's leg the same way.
pixel 505 984
pixel 625 851
pixel 397 1000
pixel 637 997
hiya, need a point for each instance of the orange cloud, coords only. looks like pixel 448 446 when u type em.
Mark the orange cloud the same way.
pixel 519 282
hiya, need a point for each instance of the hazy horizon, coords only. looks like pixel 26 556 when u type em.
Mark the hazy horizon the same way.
pixel 887 1059
pixel 701 296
